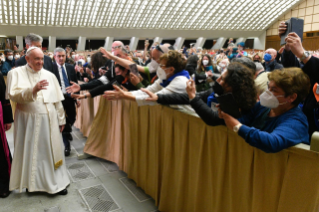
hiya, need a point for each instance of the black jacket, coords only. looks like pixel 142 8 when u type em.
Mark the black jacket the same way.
pixel 275 65
pixel 68 103
pixel 311 68
pixel 199 104
pixel 47 63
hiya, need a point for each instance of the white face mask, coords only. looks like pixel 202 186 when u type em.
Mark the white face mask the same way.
pixel 205 62
pixel 88 59
pixel 2 59
pixel 268 99
pixel 17 56
pixel 152 66
pixel 161 73
pixel 73 56
pixel 10 58
pixel 222 65
pixel 240 48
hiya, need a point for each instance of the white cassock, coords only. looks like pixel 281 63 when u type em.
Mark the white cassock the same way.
pixel 38 161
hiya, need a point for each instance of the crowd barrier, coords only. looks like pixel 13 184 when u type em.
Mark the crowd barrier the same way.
pixel 188 166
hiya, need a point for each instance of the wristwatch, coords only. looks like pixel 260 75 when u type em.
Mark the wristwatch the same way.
pixel 85 96
pixel 237 127
pixel 304 55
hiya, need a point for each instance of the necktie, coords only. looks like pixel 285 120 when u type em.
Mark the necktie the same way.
pixel 65 78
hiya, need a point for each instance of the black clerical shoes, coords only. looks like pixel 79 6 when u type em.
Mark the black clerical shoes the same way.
pixel 67 151
pixel 63 192
pixel 5 194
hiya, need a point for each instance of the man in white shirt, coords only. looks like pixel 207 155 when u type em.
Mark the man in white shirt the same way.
pixel 65 73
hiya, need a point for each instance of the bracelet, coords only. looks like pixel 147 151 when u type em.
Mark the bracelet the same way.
pixel 85 96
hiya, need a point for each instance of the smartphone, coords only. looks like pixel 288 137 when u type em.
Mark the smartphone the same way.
pixel 133 69
pixel 293 25
pixel 79 63
pixel 117 84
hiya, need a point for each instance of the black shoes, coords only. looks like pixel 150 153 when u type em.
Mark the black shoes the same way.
pixel 5 194
pixel 67 151
pixel 70 138
pixel 63 192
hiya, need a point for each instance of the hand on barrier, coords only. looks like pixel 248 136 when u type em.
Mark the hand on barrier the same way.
pixel 152 97
pixel 230 121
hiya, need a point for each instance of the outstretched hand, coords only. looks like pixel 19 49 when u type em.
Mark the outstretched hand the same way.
pixel 73 88
pixel 152 96
pixel 191 89
pixel 117 93
pixel 106 53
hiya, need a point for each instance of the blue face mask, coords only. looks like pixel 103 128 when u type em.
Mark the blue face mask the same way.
pixel 267 57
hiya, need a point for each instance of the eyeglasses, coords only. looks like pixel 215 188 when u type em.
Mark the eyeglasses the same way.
pixel 159 48
pixel 116 47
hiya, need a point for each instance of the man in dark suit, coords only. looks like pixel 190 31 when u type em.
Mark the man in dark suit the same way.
pixel 35 40
pixel 65 73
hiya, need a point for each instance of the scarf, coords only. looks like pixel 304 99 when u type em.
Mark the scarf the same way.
pixel 169 80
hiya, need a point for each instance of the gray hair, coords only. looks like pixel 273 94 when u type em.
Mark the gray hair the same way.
pixel 33 38
pixel 59 49
pixel 29 51
pixel 259 67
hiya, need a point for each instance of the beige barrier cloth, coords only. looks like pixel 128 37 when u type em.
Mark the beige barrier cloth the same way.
pixel 85 114
pixel 186 165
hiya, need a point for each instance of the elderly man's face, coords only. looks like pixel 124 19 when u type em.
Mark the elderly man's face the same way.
pixel 117 49
pixel 60 57
pixel 35 59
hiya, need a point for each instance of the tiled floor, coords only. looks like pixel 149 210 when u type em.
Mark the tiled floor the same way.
pixel 109 192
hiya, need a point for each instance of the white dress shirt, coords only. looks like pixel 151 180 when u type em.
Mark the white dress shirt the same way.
pixel 61 77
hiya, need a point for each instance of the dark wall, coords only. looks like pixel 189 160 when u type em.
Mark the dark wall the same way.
pixel 63 43
pixel 226 43
pixel 188 42
pixel 172 42
pixel 249 44
pixel 94 44
pixel 208 44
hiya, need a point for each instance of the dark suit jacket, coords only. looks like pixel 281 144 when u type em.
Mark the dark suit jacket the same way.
pixel 68 103
pixel 47 63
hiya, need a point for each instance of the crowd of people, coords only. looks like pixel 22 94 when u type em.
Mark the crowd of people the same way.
pixel 270 98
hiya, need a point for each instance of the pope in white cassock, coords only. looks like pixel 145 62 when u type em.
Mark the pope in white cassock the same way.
pixel 38 161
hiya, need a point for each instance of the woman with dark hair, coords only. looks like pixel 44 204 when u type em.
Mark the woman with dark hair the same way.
pixel 97 61
pixel 204 73
pixel 191 64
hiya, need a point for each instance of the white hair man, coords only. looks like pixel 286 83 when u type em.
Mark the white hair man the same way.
pixel 270 60
pixel 34 40
pixel 38 161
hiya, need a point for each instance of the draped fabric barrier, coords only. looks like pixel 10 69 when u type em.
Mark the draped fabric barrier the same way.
pixel 85 114
pixel 188 166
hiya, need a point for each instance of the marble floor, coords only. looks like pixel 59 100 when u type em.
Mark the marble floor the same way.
pixel 96 185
